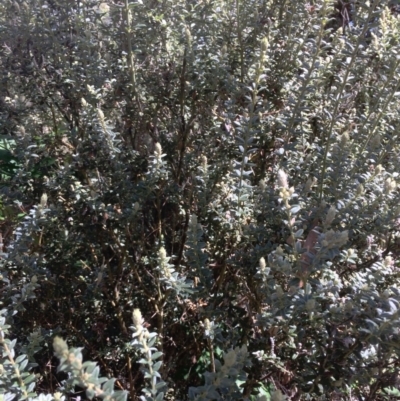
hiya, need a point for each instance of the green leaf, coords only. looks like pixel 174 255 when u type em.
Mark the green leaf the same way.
pixel 30 379
pixel 157 366
pixel 294 209
pixel 156 355
pixel 160 397
pixel 20 358
pixel 299 233
pixel 392 391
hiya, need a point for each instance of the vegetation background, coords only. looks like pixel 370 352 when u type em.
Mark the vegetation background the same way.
pixel 204 196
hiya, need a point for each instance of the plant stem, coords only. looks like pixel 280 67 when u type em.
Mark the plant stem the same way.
pixel 240 40
pixel 131 56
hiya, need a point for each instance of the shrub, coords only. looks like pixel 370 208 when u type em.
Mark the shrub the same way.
pixel 225 171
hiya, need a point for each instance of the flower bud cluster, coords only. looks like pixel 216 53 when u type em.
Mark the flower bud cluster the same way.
pixel 264 49
pixel 378 169
pixel 137 319
pixel 60 348
pixel 389 185
pixel 387 22
pixel 163 262
pixel 263 271
pixel 188 36
pixel 262 264
pixel 360 190
pixel 158 150
pixel 209 329
pixel 334 239
pixel 285 192
pixel 141 332
pixel 351 253
pixel 344 139
pixel 330 216
pixel 286 195
pixel 309 184
pixel 282 180
pixel 204 163
pixel 100 115
pixel 43 200
pixel 388 261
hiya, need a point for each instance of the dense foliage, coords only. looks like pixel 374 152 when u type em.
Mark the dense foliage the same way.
pixel 203 195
